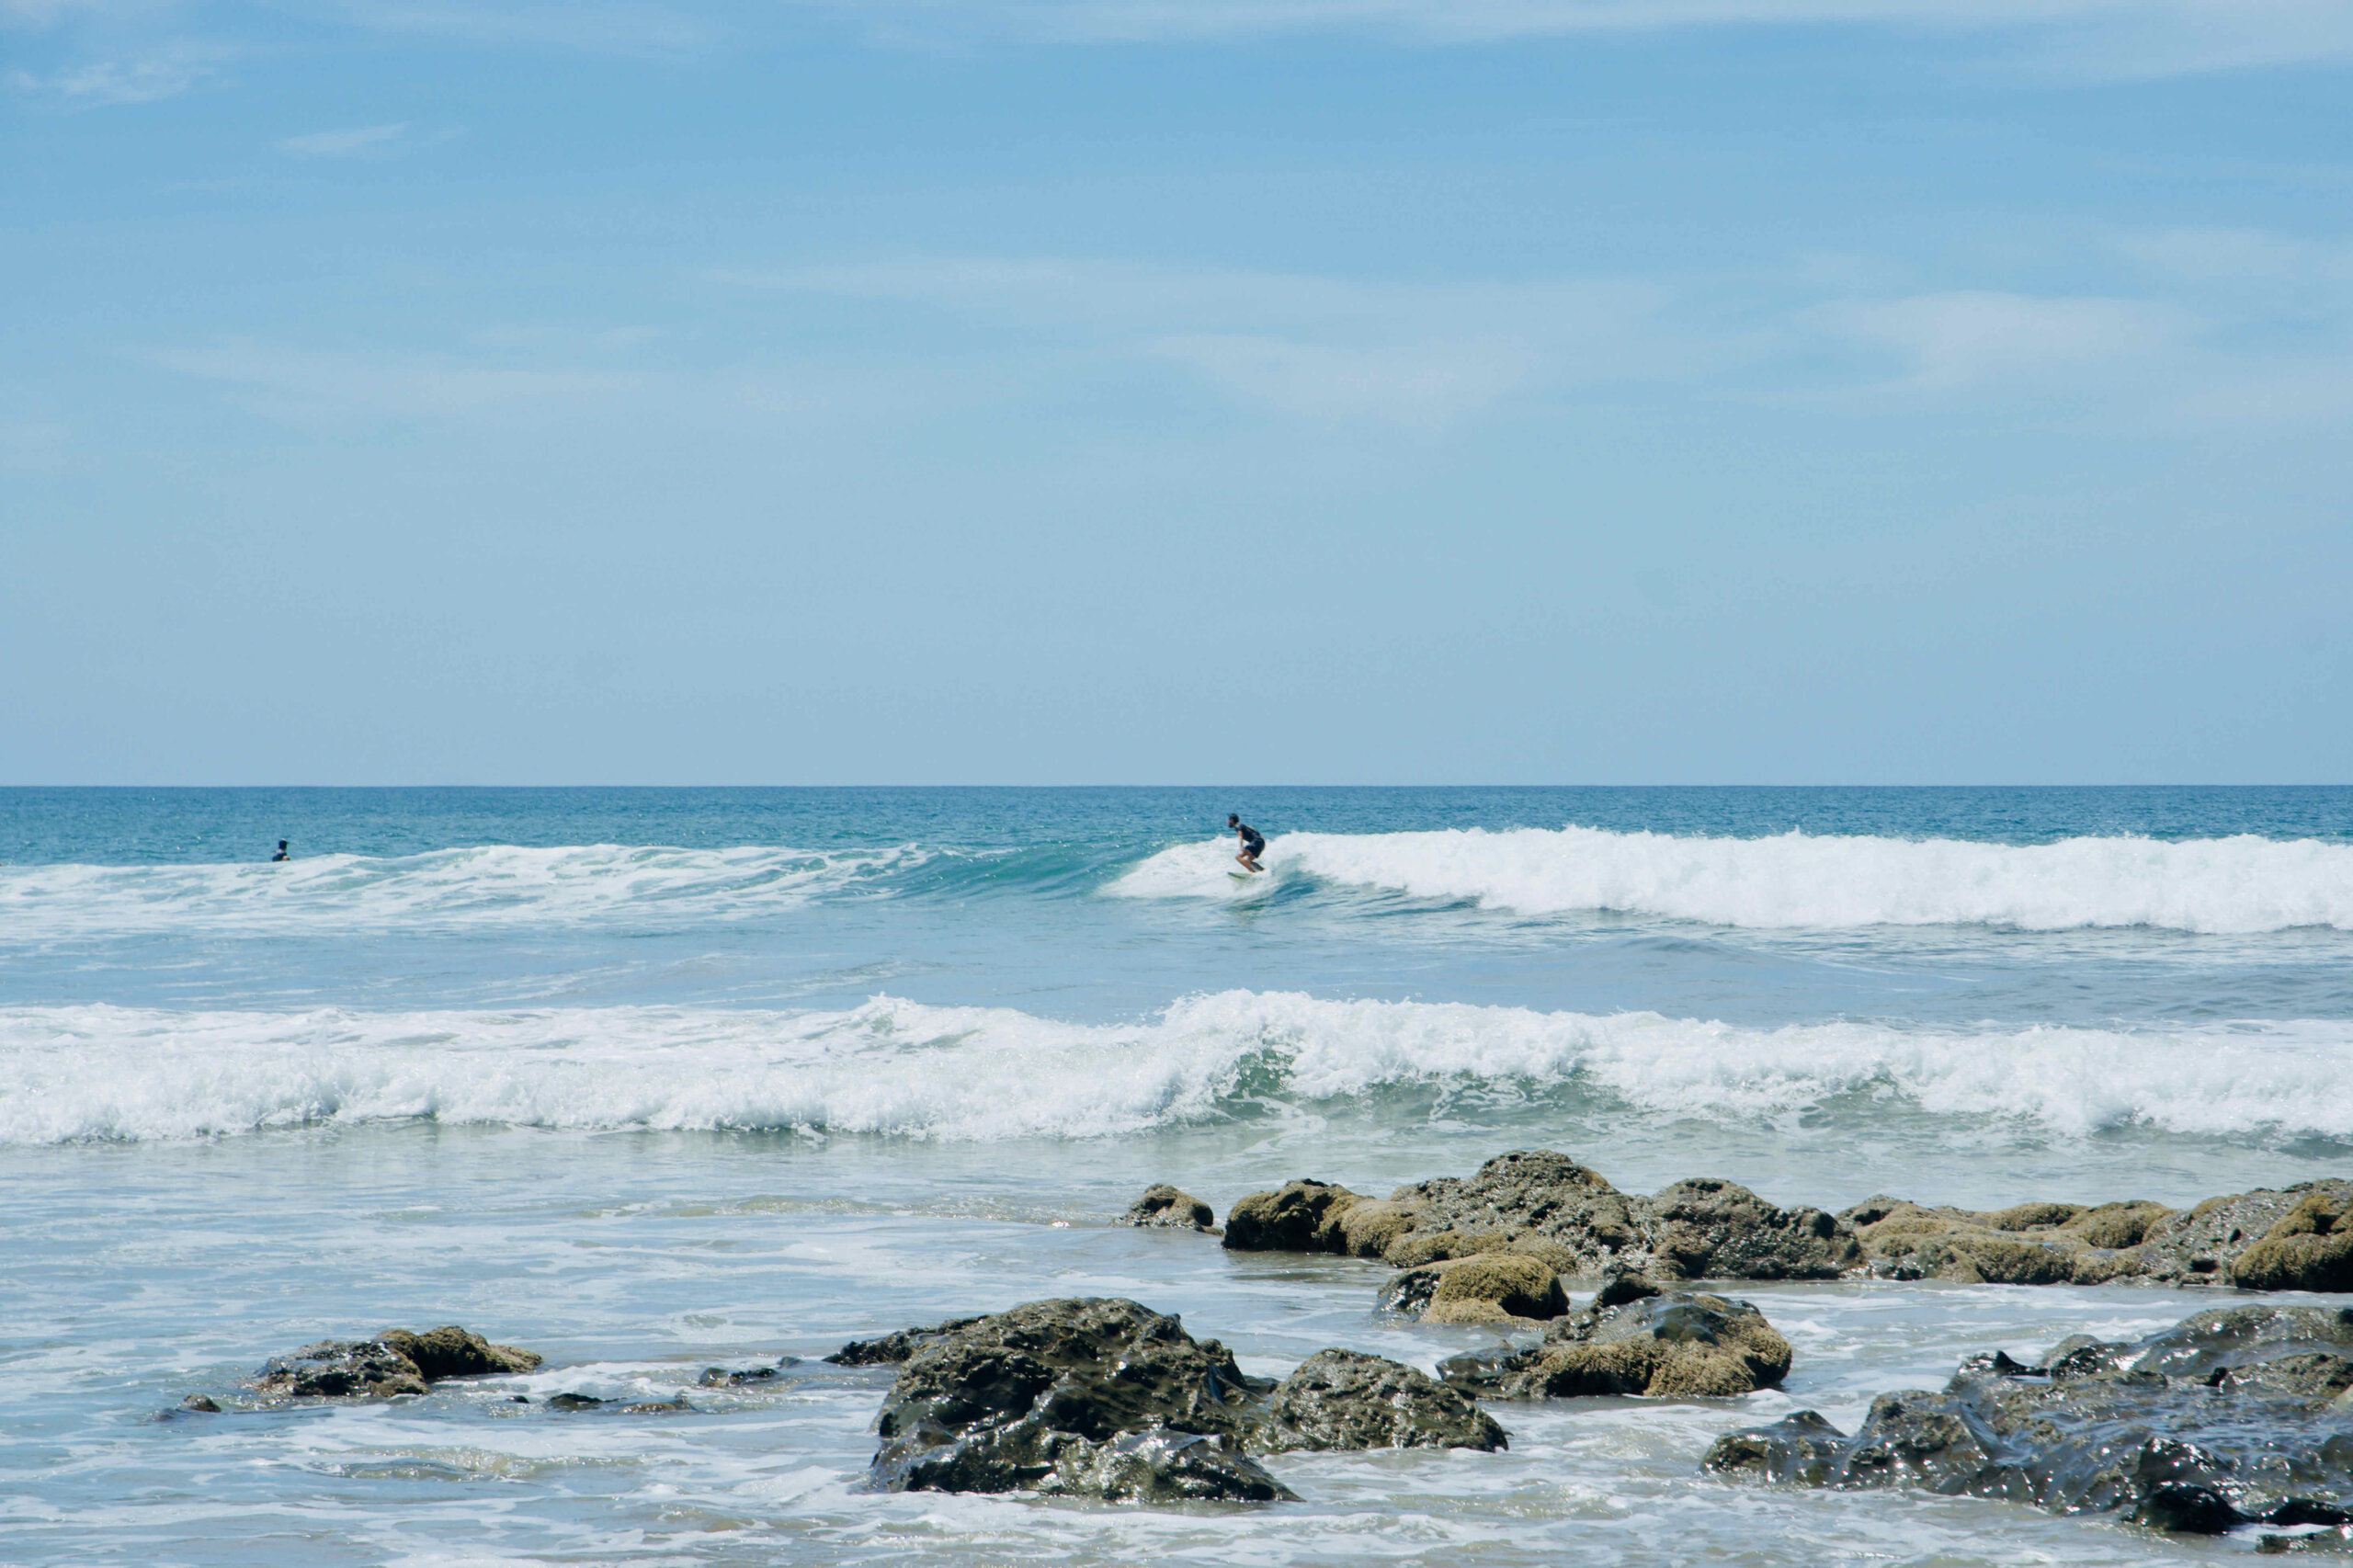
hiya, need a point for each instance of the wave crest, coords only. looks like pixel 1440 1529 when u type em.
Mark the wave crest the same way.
pixel 904 1068
pixel 2239 884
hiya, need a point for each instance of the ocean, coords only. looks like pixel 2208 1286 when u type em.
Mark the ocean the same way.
pixel 658 1080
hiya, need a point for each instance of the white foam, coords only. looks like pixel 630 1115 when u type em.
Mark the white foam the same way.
pixel 98 1072
pixel 489 885
pixel 2238 884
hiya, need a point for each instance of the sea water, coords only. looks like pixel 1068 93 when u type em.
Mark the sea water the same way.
pixel 654 1081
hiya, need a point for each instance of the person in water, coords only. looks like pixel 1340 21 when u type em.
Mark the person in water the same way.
pixel 1254 842
pixel 282 854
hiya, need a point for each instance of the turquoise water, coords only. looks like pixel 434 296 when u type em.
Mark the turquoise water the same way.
pixel 654 1080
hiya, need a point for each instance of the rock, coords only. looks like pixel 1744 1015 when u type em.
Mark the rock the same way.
pixel 341 1368
pixel 1544 1205
pixel 1290 1219
pixel 2309 1248
pixel 721 1377
pixel 451 1352
pixel 1161 1465
pixel 575 1401
pixel 201 1404
pixel 1675 1346
pixel 2229 1417
pixel 1168 1206
pixel 657 1407
pixel 395 1362
pixel 894 1347
pixel 1045 1396
pixel 1494 1287
pixel 1345 1399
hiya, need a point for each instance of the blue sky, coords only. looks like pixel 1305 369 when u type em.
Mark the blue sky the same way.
pixel 1127 390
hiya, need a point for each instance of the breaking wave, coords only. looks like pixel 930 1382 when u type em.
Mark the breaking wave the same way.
pixel 71 1073
pixel 2239 884
pixel 489 885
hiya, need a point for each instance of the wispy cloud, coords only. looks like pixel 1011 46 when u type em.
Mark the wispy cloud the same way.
pixel 2101 36
pixel 299 385
pixel 343 143
pixel 163 75
pixel 1406 354
pixel 1964 338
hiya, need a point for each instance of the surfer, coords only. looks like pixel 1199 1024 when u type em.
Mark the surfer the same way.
pixel 1254 842
pixel 282 854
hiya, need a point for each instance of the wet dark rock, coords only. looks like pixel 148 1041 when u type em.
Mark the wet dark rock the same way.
pixel 1679 1345
pixel 721 1377
pixel 575 1401
pixel 1087 1396
pixel 893 1349
pixel 1346 1398
pixel 395 1362
pixel 1493 1287
pixel 201 1404
pixel 1167 1205
pixel 2231 1417
pixel 341 1368
pixel 657 1407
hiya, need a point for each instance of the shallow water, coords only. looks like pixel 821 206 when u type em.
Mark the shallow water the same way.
pixel 655 1080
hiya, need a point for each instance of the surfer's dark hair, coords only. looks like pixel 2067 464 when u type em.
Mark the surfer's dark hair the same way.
pixel 1232 817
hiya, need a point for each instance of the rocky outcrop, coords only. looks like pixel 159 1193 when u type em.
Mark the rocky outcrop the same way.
pixel 1494 1287
pixel 1346 1398
pixel 1101 1397
pixel 2265 1240
pixel 395 1362
pixel 1171 1206
pixel 1540 1204
pixel 2231 1417
pixel 1674 1346
pixel 1096 1397
pixel 1544 1205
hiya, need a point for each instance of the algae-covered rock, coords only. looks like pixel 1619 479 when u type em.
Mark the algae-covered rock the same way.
pixel 1494 1287
pixel 395 1362
pixel 1087 1396
pixel 1345 1399
pixel 2231 1416
pixel 451 1352
pixel 1292 1218
pixel 1172 1207
pixel 2308 1249
pixel 1679 1345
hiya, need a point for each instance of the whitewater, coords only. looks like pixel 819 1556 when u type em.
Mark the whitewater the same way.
pixel 655 1081
pixel 2239 883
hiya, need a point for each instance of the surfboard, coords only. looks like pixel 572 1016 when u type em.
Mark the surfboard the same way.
pixel 1242 876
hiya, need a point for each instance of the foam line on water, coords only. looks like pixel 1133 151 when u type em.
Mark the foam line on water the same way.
pixel 898 1067
pixel 486 885
pixel 2239 884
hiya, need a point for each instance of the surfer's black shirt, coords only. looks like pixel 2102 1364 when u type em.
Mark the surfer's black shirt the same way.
pixel 1251 841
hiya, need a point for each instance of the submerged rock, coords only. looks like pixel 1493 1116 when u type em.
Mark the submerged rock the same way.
pixel 1167 1205
pixel 1492 1286
pixel 1346 1398
pixel 1096 1397
pixel 395 1362
pixel 2231 1416
pixel 202 1404
pixel 1676 1345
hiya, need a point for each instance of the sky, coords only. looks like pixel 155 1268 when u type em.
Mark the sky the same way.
pixel 1177 391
